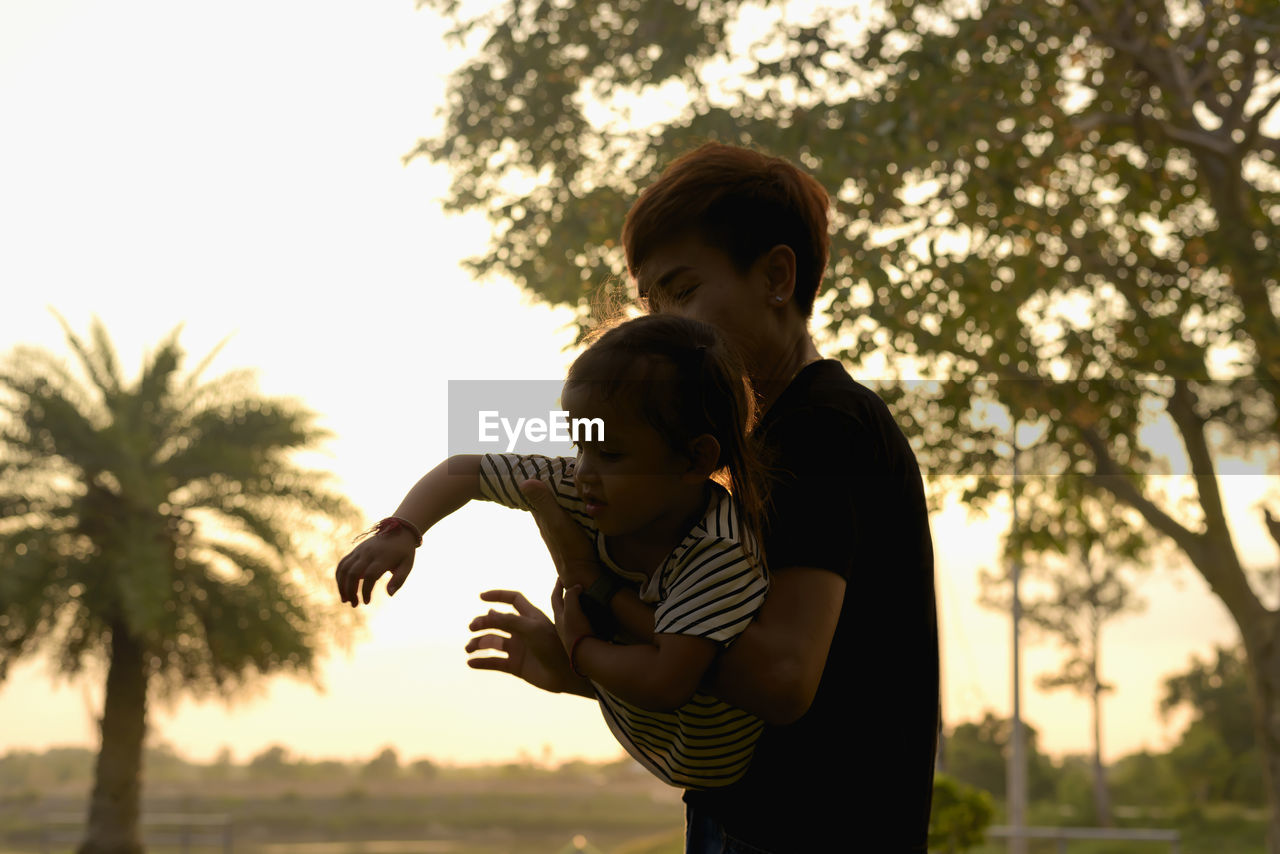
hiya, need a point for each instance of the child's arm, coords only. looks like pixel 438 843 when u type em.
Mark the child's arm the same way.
pixel 634 615
pixel 441 491
pixel 714 592
pixel 660 675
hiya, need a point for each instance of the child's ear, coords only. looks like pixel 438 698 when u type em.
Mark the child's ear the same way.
pixel 704 456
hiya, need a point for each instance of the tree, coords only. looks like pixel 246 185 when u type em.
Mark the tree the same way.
pixel 1217 753
pixel 1080 588
pixel 1085 601
pixel 1059 206
pixel 978 754
pixel 160 527
pixel 425 768
pixel 384 766
pixel 274 762
pixel 1145 779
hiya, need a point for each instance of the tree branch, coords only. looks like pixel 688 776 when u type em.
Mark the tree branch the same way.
pixel 1254 124
pixel 1184 88
pixel 1221 566
pixel 1084 124
pixel 1109 476
pixel 1182 409
pixel 1215 142
pixel 1268 144
pixel 1235 112
pixel 1273 525
pixel 1104 30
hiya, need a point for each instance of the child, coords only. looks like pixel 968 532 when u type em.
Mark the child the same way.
pixel 676 411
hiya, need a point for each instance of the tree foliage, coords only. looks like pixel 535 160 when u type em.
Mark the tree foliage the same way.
pixel 171 507
pixel 977 753
pixel 1064 208
pixel 1217 753
pixel 1145 779
pixel 960 817
pixel 1216 693
pixel 384 766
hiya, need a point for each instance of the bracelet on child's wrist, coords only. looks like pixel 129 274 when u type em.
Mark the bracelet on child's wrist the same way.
pixel 391 523
pixel 573 655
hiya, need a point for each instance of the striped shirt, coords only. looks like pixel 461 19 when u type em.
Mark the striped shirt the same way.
pixel 709 586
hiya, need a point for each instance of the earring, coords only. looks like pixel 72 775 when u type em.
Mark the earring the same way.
pixel 777 299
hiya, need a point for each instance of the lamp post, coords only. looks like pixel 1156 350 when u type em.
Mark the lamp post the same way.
pixel 1016 784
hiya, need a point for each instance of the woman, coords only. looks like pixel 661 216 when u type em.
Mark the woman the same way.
pixel 842 660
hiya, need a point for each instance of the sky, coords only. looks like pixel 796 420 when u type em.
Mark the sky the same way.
pixel 236 168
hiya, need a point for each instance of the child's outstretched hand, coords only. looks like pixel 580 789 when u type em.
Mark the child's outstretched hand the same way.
pixel 387 551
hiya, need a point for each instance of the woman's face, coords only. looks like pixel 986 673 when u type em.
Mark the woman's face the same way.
pixel 692 279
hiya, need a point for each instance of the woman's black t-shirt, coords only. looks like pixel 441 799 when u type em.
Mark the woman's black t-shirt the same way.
pixel 856 771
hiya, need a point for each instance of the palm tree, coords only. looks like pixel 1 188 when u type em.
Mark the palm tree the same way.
pixel 164 528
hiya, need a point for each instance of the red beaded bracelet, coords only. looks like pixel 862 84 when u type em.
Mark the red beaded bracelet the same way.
pixel 391 523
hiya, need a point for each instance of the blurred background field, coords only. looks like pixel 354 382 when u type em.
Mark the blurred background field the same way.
pixel 276 803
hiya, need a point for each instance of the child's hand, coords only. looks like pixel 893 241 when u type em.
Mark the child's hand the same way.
pixel 571 620
pixel 389 551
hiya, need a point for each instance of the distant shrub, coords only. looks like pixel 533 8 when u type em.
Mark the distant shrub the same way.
pixel 425 768
pixel 961 815
pixel 384 766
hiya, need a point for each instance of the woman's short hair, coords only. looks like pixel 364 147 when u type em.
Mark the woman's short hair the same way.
pixel 741 202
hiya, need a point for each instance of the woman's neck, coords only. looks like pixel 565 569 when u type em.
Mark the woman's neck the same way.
pixel 771 377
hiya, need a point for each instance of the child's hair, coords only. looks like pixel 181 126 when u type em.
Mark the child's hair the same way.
pixel 741 202
pixel 681 377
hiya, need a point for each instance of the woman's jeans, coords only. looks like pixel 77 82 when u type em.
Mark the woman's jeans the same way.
pixel 704 835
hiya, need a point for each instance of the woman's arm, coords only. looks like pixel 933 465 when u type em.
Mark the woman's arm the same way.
pixel 822 459
pixel 773 668
pixel 533 651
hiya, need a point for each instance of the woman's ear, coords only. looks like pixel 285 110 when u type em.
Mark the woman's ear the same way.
pixel 704 456
pixel 779 268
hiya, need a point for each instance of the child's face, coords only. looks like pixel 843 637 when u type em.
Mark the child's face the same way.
pixel 632 481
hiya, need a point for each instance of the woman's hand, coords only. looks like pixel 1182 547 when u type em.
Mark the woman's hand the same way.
pixel 387 551
pixel 571 620
pixel 571 549
pixel 533 651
